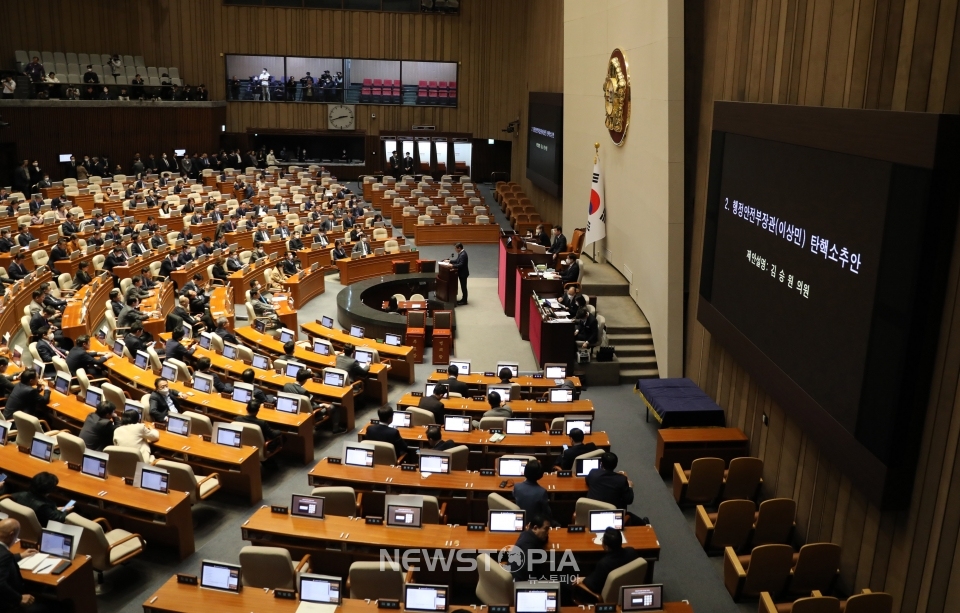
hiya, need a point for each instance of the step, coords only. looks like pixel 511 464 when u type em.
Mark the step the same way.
pixel 644 330
pixel 630 339
pixel 634 351
pixel 630 376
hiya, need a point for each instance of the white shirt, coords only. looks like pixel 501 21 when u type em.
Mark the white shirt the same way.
pixel 264 77
pixel 9 85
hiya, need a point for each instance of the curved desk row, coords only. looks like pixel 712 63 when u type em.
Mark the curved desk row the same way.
pixel 400 358
pixel 521 408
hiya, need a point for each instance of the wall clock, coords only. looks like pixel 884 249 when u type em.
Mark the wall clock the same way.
pixel 341 117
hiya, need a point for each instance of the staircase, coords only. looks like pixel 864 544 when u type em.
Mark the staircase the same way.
pixel 634 349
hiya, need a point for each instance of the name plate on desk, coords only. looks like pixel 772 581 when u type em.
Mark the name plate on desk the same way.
pixel 417 394
pixel 128 480
pixel 542 400
pixel 538 376
pixel 575 529
pixel 476 527
pixel 606 608
pixel 206 438
pixel 496 430
pixel 160 425
pixel 555 432
pixel 487 472
pixel 388 603
pixel 284 594
pixel 412 468
pixel 564 473
pixel 23 449
pixel 279 510
pixel 489 374
pixel 72 466
pixel 499 608
pixel 186 579
pixel 479 398
pixel 374 521
pixel 334 461
pixel 442 371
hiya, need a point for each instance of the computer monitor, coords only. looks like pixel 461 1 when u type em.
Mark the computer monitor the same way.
pixel 536 597
pixel 62 383
pixel 356 331
pixel 456 423
pixel 288 403
pixel 65 157
pixel 326 321
pixel 153 478
pixel 242 392
pixel 178 425
pixel 38 368
pixel 506 521
pixel 601 520
pixel 293 368
pixel 394 340
pixel 94 464
pixel 229 351
pixel 503 390
pixel 228 436
pixel 561 394
pixel 261 362
pixel 585 424
pixel 93 397
pixel 220 576
pixel 402 419
pixel 169 371
pixel 306 506
pixel 187 331
pixel 511 466
pixel 364 356
pixel 428 390
pixel 435 462
pixel 56 544
pixel 118 347
pixel 404 511
pixel 42 447
pixel 5 427
pixel 101 334
pixel 334 379
pixel 202 383
pixel 356 454
pixel 142 360
pixel 555 371
pixel 513 366
pixel 321 589
pixel 321 347
pixel 519 426
pixel 642 597
pixel 260 325
pixel 130 405
pixel 425 598
pixel 583 466
pixel 463 366
pixel 205 340
pixel 286 334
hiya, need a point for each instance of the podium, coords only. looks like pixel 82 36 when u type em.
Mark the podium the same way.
pixel 447 283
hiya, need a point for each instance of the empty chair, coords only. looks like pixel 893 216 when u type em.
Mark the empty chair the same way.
pixel 270 567
pixel 765 569
pixel 869 602
pixel 338 500
pixel 122 461
pixel 29 524
pixel 496 502
pixel 106 548
pixel 384 453
pixel 495 583
pixel 489 423
pixel 433 511
pixel 459 457
pixel 701 484
pixel 420 417
pixel 816 567
pixel 809 604
pixel 581 514
pixel 775 521
pixel 27 426
pixel 743 479
pixel 730 526
pixel 252 436
pixel 371 580
pixel 71 448
pixel 183 479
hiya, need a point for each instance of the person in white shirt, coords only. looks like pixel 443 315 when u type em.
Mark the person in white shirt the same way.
pixel 271 159
pixel 131 433
pixel 9 86
pixel 265 85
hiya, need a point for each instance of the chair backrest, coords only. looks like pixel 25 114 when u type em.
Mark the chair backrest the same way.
pixel 816 604
pixel 371 580
pixel 443 320
pixel 874 602
pixel 495 583
pixel 337 500
pixel 390 245
pixel 585 505
pixel 488 423
pixel 252 436
pixel 459 457
pixel 775 521
pixel 706 479
pixel 93 542
pixel 817 567
pixel 65 281
pixel 267 567
pixel 496 502
pixel 114 394
pixel 27 426
pixel 631 573
pixel 416 319
pixel 29 524
pixel 431 510
pixel 743 478
pixel 182 477
pixel 122 461
pixel 769 569
pixel 733 524
pixel 383 453
pixel 420 417
pixel 71 448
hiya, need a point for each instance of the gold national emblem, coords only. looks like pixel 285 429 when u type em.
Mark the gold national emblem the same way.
pixel 616 97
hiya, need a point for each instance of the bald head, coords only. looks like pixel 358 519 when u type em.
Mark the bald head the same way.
pixel 9 531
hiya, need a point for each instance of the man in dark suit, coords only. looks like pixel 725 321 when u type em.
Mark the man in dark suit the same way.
pixel 607 485
pixel 134 340
pixel 185 256
pixel 24 237
pixel 461 261
pixel 131 313
pixel 30 395
pixel 616 556
pixel 559 243
pixel 435 440
pixel 575 450
pixel 455 386
pixel 6 243
pixel 182 310
pixel 81 357
pixel 47 351
pixel 37 498
pixel 6 384
pixel 168 265
pixel 163 401
pixel 233 262
pixel 223 331
pixel 571 274
pixel 138 247
pixel 97 430
pixel 271 437
pixel 12 595
pixel 534 538
pixel 16 270
pixel 203 366
pixel 346 361
pixel 262 235
pixel 386 433
pixel 206 247
pixel 434 403
pixel 116 258
pixel 115 302
pixel 176 349
pixel 157 240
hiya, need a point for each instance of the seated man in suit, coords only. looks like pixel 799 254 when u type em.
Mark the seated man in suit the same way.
pixel 185 256
pixel 70 226
pixel 97 430
pixel 206 247
pixel 182 310
pixel 138 247
pixel 571 274
pixel 116 258
pixel 223 331
pixel 434 403
pixel 616 556
pixel 131 313
pixel 455 386
pixel 48 350
pixel 249 376
pixel 157 240
pixel 271 437
pixel 575 450
pixel 38 498
pixel 81 357
pixel 346 361
pixel 262 234
pixel 177 349
pixel 164 400
pixel 168 265
pixel 572 300
pixel 233 261
pixel 586 331
pixel 435 440
pixel 16 270
pixel 386 433
pixel 320 409
pixel 50 300
pixel 136 289
pixel 203 366
pixel 608 485
pixel 13 590
pixel 115 302
pixel 6 243
pixel 363 246
pixel 264 309
pixel 30 395
pixel 137 339
pixel 6 383
pixel 296 243
pixel 59 253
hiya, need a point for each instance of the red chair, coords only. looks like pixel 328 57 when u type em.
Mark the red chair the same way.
pixel 442 97
pixel 432 84
pixel 377 94
pixel 378 82
pixel 367 82
pixel 388 82
pixel 365 94
pixel 422 95
pixel 397 96
pixel 422 84
pixel 433 97
pixel 442 84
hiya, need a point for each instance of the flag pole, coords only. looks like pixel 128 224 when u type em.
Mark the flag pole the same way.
pixel 596 156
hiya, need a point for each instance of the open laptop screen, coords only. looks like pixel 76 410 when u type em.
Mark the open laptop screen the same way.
pixel 220 576
pixel 642 597
pixel 425 598
pixel 320 589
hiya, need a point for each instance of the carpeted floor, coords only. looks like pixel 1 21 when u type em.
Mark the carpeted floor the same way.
pixel 484 335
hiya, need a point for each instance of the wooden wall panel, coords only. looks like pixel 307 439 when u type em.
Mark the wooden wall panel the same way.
pixel 884 54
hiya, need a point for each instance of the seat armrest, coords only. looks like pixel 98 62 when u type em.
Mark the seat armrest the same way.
pixel 679 483
pixel 409 577
pixel 203 480
pixel 129 537
pixel 580 585
pixel 443 513
pixel 103 523
pixel 734 576
pixel 304 563
pixel 359 504
pixel 766 603
pixel 704 527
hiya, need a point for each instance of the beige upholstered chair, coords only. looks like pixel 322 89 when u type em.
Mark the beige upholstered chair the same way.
pixel 369 580
pixel 765 569
pixel 270 567
pixel 496 502
pixel 730 526
pixel 495 584
pixel 71 448
pixel 199 423
pixel 29 525
pixel 183 479
pixel 122 461
pixel 632 573
pixel 106 548
pixel 581 513
pixel 27 426
pixel 252 436
pixel 420 417
pixel 383 453
pixel 338 500
pixel 459 457
pixel 699 485
pixel 488 423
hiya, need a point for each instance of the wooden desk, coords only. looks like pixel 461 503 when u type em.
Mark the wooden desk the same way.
pixel 239 469
pixel 87 308
pixel 521 408
pixel 240 280
pixel 131 270
pixel 553 342
pixel 510 258
pixel 162 301
pixel 74 586
pixel 14 301
pixel 352 271
pixel 174 597
pixel 304 287
pixel 527 283
pixel 338 541
pixel 529 386
pixel 408 305
pixel 445 234
pixel 160 518
pixel 684 445
pixel 400 359
pixel 221 304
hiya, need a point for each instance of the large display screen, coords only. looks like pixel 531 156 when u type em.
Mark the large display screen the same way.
pixel 545 142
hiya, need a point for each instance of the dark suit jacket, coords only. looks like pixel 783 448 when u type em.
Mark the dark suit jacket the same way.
pixel 27 399
pixel 570 455
pixel 129 315
pixel 571 273
pixel 134 343
pixel 609 487
pixel 45 510
pixel 167 266
pixel 387 434
pixel 461 261
pixel 177 351
pixel 611 561
pixel 17 271
pixel 457 387
pixel 97 432
pixel 6 386
pixel 559 244
pixel 158 405
pixel 184 315
pixel 532 498
pixel 526 542
pixel 435 406
pixel 268 432
pixel 11 582
pixel 81 358
pixel 47 353
pixel 226 336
